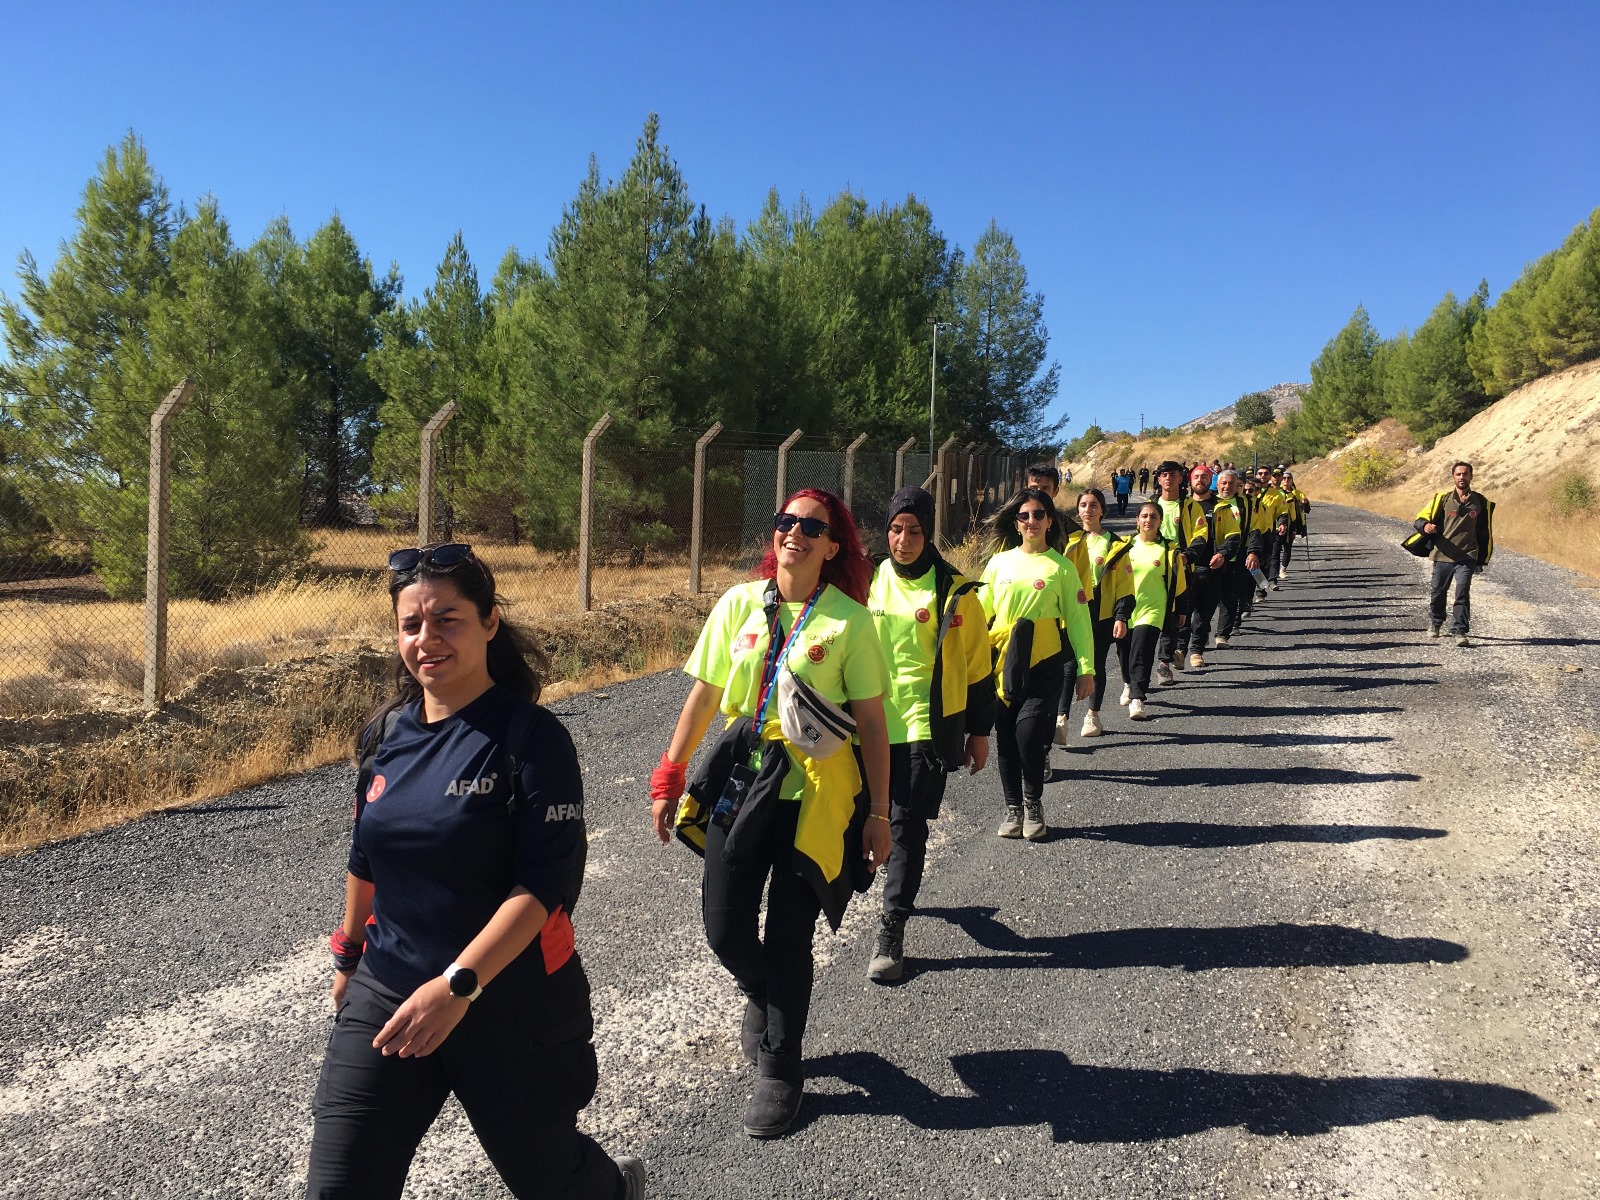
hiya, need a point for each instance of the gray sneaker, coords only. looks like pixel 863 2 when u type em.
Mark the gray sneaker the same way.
pixel 1011 827
pixel 1033 826
pixel 633 1176
pixel 888 960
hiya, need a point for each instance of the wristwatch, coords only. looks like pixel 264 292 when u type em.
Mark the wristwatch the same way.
pixel 463 981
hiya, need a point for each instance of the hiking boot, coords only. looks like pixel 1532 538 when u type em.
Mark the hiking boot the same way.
pixel 752 1029
pixel 1011 827
pixel 773 1108
pixel 1164 674
pixel 1060 735
pixel 888 960
pixel 1275 586
pixel 1433 631
pixel 1221 643
pixel 1196 661
pixel 633 1176
pixel 1463 640
pixel 1091 725
pixel 1136 710
pixel 1033 827
pixel 1127 694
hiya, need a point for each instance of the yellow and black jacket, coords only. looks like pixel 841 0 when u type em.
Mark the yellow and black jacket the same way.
pixel 1209 531
pixel 1111 598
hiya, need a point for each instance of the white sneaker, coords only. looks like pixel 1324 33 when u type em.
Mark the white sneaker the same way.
pixel 1164 674
pixel 1060 737
pixel 1136 710
pixel 1091 725
pixel 1283 573
pixel 1127 694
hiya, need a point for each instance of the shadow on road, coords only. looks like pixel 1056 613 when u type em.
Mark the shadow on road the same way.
pixel 1263 739
pixel 1192 948
pixel 1224 777
pixel 1202 835
pixel 1117 1104
pixel 1309 712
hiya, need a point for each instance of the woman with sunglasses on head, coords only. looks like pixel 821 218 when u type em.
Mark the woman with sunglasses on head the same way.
pixel 1030 594
pixel 793 659
pixel 1103 568
pixel 454 965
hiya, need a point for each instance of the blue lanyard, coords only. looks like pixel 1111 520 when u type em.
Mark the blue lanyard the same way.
pixel 774 663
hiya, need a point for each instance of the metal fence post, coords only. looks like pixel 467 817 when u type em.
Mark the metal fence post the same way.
pixel 941 478
pixel 783 469
pixel 586 512
pixel 425 485
pixel 900 463
pixel 155 562
pixel 850 470
pixel 697 534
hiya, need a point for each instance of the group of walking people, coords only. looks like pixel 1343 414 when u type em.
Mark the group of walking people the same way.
pixel 851 692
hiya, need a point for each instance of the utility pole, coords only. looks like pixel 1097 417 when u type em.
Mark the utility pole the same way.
pixel 1141 424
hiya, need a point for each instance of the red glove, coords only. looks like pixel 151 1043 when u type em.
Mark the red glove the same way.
pixel 667 780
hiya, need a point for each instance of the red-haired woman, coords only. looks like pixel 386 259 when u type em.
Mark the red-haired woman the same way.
pixel 776 808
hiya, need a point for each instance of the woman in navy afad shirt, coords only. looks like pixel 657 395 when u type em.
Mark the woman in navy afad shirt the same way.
pixel 464 979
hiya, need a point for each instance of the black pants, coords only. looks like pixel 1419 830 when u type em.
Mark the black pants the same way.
pixel 521 1095
pixel 1142 640
pixel 1461 609
pixel 1122 504
pixel 1285 548
pixel 1269 555
pixel 916 789
pixel 773 968
pixel 1174 643
pixel 1236 588
pixel 1102 655
pixel 1022 729
pixel 1205 591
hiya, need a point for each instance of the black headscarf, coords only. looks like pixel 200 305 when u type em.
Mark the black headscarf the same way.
pixel 918 503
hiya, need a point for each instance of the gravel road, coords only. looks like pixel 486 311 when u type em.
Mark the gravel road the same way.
pixel 1326 926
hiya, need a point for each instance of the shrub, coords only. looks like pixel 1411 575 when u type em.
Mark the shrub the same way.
pixel 1574 490
pixel 1367 470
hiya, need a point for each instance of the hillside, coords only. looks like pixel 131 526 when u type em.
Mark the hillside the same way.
pixel 1095 467
pixel 1286 398
pixel 1521 448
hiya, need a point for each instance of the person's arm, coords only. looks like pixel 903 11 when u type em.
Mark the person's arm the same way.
pixel 1080 633
pixel 872 727
pixel 357 908
pixel 699 709
pixel 1426 518
pixel 981 700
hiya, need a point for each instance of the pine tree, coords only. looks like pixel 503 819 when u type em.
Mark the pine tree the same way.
pixel 1428 382
pixel 1345 394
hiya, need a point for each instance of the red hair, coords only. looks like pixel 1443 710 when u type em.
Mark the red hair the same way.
pixel 850 570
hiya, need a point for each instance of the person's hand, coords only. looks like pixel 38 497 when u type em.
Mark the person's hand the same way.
pixel 1252 562
pixel 341 981
pixel 662 813
pixel 1430 527
pixel 1218 562
pixel 1119 630
pixel 1183 622
pixel 666 789
pixel 875 843
pixel 977 753
pixel 1084 688
pixel 421 1024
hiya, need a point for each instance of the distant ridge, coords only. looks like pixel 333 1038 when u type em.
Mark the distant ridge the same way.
pixel 1286 398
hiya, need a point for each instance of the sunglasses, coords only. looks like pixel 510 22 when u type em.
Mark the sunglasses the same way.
pixel 1033 514
pixel 812 527
pixel 444 558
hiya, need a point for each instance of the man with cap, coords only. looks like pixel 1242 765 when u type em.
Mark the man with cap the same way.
pixel 940 706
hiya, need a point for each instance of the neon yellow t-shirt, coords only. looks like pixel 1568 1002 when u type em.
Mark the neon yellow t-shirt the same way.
pixel 837 653
pixel 908 626
pixel 1149 561
pixel 1099 547
pixel 1171 519
pixel 1043 588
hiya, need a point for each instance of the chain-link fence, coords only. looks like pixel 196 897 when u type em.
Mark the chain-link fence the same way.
pixel 76 636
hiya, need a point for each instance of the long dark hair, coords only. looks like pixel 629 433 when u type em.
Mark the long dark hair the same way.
pixel 1098 495
pixel 514 662
pixel 850 570
pixel 1002 534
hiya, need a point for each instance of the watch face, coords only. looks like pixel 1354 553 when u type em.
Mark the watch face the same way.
pixel 463 982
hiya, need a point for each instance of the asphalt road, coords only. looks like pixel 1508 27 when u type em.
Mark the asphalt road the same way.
pixel 1325 926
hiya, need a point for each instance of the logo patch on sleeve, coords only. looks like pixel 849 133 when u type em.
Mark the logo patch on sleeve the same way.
pixel 375 788
pixel 1038 585
pixel 555 941
pixel 746 641
pixel 956 622
pixel 922 616
pixel 1082 599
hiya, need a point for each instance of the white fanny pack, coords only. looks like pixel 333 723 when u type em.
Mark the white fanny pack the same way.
pixel 812 723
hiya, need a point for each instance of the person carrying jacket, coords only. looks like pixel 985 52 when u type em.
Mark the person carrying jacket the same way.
pixel 1211 539
pixel 1030 594
pixel 1160 579
pixel 1461 523
pixel 775 810
pixel 1106 575
pixel 940 704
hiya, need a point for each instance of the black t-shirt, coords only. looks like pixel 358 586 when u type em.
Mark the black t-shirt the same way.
pixel 435 836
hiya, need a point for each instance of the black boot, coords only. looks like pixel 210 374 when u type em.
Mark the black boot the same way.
pixel 773 1108
pixel 888 960
pixel 752 1029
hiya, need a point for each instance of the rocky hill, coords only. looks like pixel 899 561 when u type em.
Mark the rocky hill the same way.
pixel 1286 398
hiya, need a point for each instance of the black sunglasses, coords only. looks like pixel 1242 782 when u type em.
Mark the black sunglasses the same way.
pixel 812 527
pixel 1033 514
pixel 444 558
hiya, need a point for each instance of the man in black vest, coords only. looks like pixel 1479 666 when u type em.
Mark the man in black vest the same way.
pixel 1461 523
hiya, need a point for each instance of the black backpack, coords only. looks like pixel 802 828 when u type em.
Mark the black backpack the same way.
pixel 513 749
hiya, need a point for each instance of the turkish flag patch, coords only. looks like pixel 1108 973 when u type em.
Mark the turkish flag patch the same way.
pixel 816 653
pixel 375 788
pixel 955 621
pixel 746 641
pixel 1082 599
pixel 556 941
pixel 922 616
pixel 1038 585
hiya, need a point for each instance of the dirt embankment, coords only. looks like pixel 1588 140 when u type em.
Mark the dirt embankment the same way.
pixel 66 774
pixel 1095 467
pixel 1521 448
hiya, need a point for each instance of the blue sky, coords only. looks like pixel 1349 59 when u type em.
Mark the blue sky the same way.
pixel 1202 191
